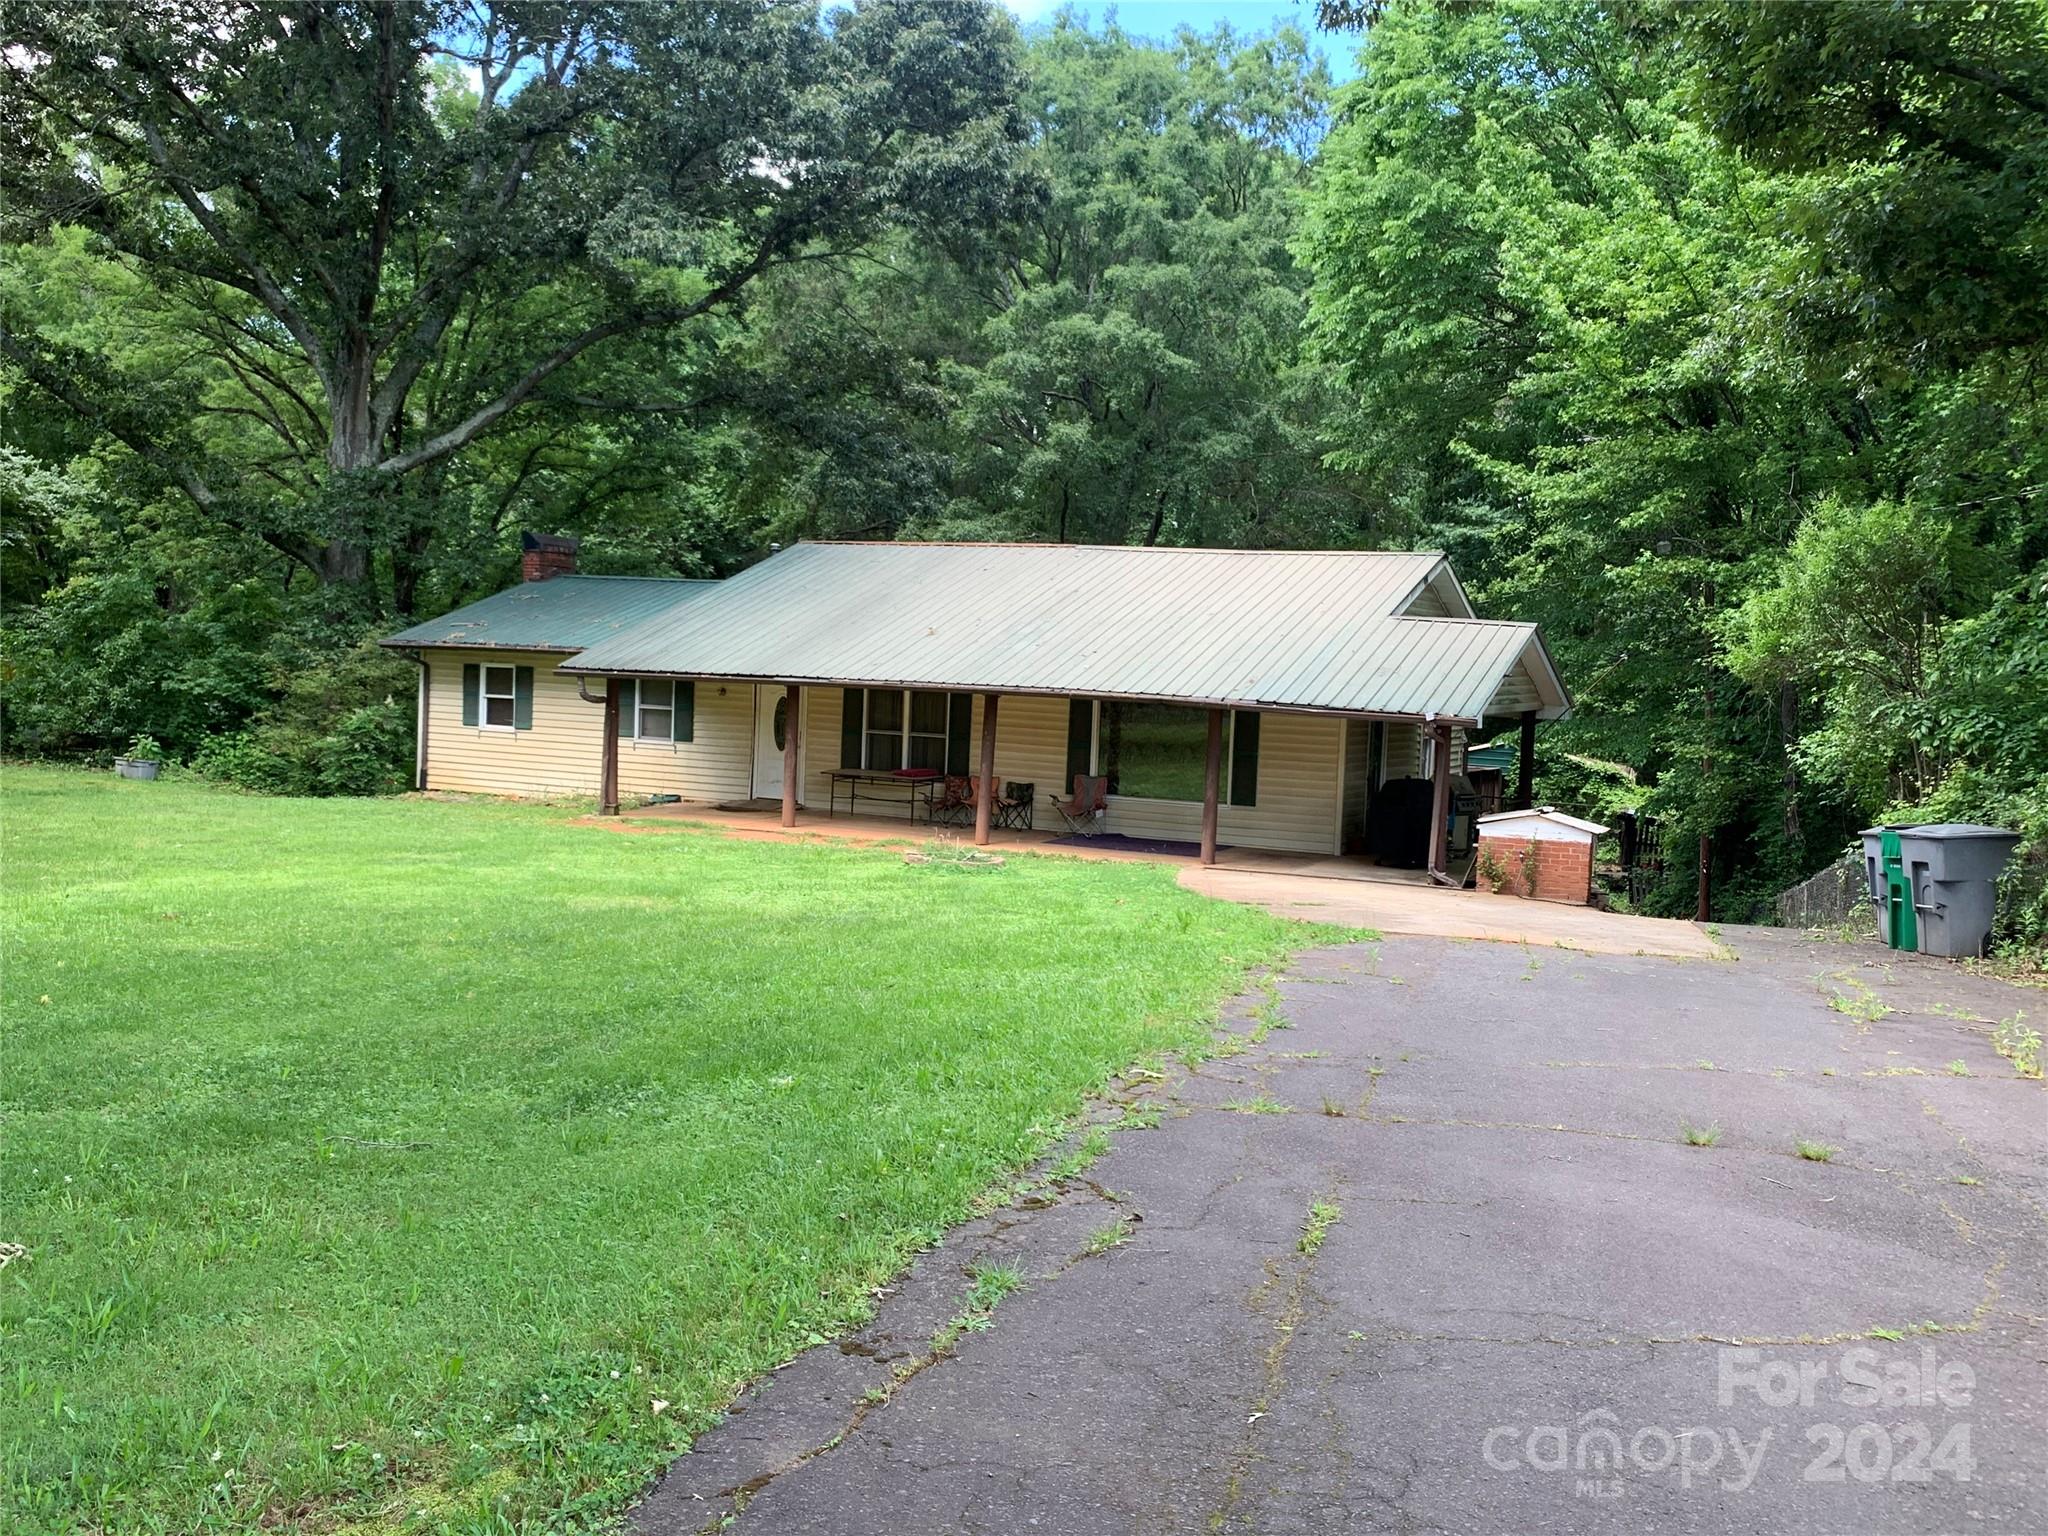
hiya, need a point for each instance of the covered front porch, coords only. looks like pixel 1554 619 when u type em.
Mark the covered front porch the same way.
pixel 763 819
pixel 1351 795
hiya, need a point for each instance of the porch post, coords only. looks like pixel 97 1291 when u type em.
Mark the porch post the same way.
pixel 792 740
pixel 1440 809
pixel 988 770
pixel 1212 781
pixel 608 770
pixel 1525 763
pixel 419 765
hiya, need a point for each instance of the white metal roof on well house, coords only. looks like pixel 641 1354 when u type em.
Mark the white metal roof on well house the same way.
pixel 1271 629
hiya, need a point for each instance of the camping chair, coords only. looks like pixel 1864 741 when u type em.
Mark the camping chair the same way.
pixel 952 806
pixel 1083 814
pixel 970 807
pixel 1013 807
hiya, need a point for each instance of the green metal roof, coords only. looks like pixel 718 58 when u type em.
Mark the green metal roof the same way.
pixel 1307 630
pixel 565 613
pixel 1495 754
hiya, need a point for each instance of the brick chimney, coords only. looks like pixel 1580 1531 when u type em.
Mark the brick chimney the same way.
pixel 542 555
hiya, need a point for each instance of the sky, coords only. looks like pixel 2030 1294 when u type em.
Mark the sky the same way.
pixel 1158 18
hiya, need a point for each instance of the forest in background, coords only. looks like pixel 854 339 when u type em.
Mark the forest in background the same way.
pixel 1711 337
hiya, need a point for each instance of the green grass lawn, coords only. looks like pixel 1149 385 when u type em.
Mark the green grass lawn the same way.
pixel 381 1164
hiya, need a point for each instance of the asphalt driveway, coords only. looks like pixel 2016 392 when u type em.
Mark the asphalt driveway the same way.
pixel 1432 1253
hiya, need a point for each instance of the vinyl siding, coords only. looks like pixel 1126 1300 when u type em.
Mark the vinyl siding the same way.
pixel 1404 750
pixel 1358 768
pixel 1518 691
pixel 1429 604
pixel 821 711
pixel 716 764
pixel 561 754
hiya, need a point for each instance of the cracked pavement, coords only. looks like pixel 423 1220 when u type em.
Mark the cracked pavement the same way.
pixel 1539 1309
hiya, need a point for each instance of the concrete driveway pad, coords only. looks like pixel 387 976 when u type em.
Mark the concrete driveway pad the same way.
pixel 1424 1248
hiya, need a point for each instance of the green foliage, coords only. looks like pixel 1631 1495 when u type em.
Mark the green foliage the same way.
pixel 1853 614
pixel 1135 379
pixel 106 657
pixel 342 726
pixel 1923 130
pixel 2019 1043
pixel 1640 318
pixel 1492 872
pixel 1119 361
pixel 359 247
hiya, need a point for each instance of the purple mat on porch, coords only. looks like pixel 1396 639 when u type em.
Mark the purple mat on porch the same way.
pixel 1122 844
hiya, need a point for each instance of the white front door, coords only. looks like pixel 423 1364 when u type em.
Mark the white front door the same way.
pixel 771 728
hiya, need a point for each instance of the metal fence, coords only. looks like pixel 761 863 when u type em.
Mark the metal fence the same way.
pixel 1628 858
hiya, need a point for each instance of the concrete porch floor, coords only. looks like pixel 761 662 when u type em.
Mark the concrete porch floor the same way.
pixel 763 820
pixel 1347 892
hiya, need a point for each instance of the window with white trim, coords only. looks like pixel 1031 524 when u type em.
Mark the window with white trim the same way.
pixel 655 710
pixel 501 697
pixel 884 728
pixel 892 728
pixel 924 739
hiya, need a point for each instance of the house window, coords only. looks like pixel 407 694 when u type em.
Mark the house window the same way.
pixel 891 728
pixel 657 711
pixel 925 745
pixel 1161 752
pixel 501 697
pixel 884 728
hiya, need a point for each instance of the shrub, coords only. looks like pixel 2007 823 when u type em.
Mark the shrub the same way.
pixel 344 726
pixel 240 759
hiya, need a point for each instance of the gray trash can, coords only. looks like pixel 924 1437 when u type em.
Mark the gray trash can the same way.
pixel 1934 887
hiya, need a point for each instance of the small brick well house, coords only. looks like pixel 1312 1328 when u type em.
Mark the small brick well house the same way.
pixel 1538 852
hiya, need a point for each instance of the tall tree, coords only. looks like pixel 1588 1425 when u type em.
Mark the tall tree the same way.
pixel 330 198
pixel 1923 129
pixel 1137 377
pixel 1534 276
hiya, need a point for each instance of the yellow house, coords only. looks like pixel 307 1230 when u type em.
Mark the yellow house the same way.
pixel 1312 701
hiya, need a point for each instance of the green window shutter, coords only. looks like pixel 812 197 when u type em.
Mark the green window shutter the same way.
pixel 1080 730
pixel 1244 758
pixel 522 698
pixel 852 712
pixel 629 700
pixel 686 711
pixel 959 733
pixel 472 687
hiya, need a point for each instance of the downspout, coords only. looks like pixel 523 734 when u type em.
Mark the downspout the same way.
pixel 419 751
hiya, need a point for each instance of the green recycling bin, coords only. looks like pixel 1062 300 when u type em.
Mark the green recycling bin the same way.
pixel 1936 887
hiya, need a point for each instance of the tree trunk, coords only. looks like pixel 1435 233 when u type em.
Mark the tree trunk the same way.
pixel 1788 737
pixel 352 448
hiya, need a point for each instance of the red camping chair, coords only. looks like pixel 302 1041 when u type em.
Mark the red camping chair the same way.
pixel 1083 814
pixel 953 804
pixel 972 805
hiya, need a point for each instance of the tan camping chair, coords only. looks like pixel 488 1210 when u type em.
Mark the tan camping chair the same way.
pixel 1083 814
